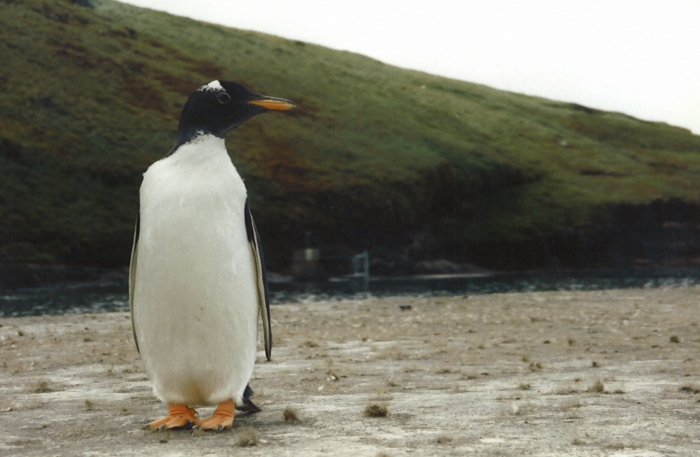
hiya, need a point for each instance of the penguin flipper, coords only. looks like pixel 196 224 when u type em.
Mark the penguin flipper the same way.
pixel 132 278
pixel 263 291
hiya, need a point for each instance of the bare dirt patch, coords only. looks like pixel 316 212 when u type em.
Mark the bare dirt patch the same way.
pixel 557 373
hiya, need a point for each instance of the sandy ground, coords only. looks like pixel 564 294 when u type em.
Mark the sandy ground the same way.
pixel 547 374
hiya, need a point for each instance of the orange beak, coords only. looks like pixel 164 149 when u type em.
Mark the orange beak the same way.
pixel 273 103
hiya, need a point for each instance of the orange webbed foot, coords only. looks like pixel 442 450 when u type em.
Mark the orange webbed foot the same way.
pixel 179 416
pixel 222 419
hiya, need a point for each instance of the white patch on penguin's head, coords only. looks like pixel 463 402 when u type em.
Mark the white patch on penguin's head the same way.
pixel 213 86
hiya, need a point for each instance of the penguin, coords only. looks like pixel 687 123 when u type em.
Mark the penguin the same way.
pixel 197 274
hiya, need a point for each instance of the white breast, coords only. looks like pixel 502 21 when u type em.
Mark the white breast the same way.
pixel 195 297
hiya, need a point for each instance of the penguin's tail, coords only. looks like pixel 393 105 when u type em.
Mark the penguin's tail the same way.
pixel 248 407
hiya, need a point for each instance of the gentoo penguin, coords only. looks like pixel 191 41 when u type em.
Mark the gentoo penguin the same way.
pixel 197 277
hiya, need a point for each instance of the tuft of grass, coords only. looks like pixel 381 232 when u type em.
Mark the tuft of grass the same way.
pixel 597 387
pixel 376 410
pixel 691 389
pixel 43 387
pixel 566 391
pixel 571 403
pixel 390 382
pixel 290 415
pixel 522 409
pixel 247 437
pixel 444 439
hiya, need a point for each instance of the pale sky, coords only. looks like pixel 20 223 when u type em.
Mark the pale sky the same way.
pixel 639 57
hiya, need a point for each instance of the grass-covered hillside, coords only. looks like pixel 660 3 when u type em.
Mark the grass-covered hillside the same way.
pixel 374 156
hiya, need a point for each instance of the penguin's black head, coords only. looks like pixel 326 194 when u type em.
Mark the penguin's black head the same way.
pixel 221 106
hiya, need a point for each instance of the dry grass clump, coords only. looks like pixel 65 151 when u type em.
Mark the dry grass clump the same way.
pixel 691 389
pixel 618 392
pixel 568 390
pixel 376 410
pixel 522 409
pixel 571 403
pixel 535 366
pixel 290 415
pixel 597 387
pixel 247 437
pixel 444 439
pixel 43 387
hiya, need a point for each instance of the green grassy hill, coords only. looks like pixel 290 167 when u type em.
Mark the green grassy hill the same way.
pixel 374 156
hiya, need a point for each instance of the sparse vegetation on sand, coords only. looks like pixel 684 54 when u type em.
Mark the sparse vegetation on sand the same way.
pixel 75 397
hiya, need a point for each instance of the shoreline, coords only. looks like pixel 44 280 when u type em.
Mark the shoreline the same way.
pixel 15 277
pixel 110 293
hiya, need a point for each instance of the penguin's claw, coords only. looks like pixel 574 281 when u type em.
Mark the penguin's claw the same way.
pixel 179 416
pixel 222 419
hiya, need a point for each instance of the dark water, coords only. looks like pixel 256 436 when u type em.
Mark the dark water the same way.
pixel 95 298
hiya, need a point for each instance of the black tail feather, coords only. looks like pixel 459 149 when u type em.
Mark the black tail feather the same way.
pixel 248 407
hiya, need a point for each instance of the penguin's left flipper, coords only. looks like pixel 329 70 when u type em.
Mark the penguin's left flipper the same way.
pixel 261 273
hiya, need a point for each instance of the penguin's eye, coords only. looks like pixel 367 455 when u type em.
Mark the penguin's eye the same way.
pixel 223 98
